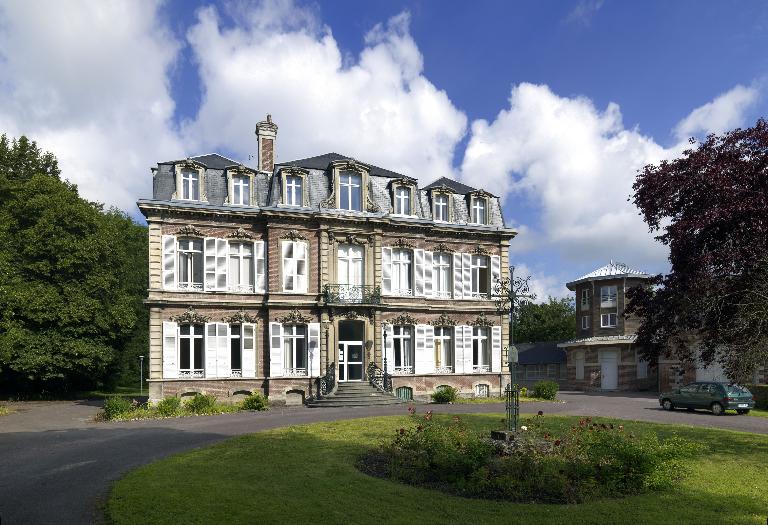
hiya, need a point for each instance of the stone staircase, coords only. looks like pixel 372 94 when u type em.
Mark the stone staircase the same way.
pixel 356 395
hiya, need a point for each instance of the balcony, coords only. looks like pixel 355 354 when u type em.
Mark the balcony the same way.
pixel 351 294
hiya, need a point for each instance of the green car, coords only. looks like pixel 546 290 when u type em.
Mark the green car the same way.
pixel 717 397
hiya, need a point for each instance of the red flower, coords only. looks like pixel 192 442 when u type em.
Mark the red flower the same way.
pixel 420 428
pixel 428 416
pixel 411 410
pixel 557 442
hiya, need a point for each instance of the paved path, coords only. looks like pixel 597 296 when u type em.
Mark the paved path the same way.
pixel 56 466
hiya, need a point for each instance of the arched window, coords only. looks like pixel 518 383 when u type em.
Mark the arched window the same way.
pixel 350 191
pixel 403 200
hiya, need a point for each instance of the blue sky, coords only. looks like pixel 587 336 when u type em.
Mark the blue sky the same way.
pixel 552 105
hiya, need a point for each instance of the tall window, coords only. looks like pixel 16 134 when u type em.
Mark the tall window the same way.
pixel 191 350
pixel 578 360
pixel 191 264
pixel 481 354
pixel 350 273
pixel 241 190
pixel 295 349
pixel 236 350
pixel 608 320
pixel 293 191
pixel 403 345
pixel 294 266
pixel 441 273
pixel 480 276
pixel 241 267
pixel 584 322
pixel 479 211
pixel 402 200
pixel 585 299
pixel 607 296
pixel 441 208
pixel 190 185
pixel 443 349
pixel 401 272
pixel 350 192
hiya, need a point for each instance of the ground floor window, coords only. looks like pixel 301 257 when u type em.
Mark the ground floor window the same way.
pixel 402 342
pixel 481 351
pixel 443 350
pixel 236 350
pixel 191 350
pixel 295 349
pixel 404 392
pixel 482 390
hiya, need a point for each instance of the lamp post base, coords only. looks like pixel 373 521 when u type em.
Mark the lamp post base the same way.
pixel 503 435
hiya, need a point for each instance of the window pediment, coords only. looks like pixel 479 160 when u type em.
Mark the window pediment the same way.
pixel 190 181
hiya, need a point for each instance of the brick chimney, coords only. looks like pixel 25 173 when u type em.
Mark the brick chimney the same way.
pixel 266 132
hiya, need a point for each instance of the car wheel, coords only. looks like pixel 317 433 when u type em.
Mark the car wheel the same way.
pixel 667 404
pixel 742 412
pixel 717 409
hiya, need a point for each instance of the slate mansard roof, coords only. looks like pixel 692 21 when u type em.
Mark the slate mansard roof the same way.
pixel 267 190
pixel 612 270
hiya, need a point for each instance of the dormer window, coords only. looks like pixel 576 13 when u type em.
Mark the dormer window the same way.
pixel 441 208
pixel 294 189
pixel 190 185
pixel 402 200
pixel 350 191
pixel 241 190
pixel 479 210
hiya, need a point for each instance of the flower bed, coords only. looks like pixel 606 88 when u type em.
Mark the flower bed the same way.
pixel 123 408
pixel 588 461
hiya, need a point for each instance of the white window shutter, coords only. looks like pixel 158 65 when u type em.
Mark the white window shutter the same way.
pixel 211 350
pixel 304 278
pixel 418 280
pixel 390 349
pixel 496 349
pixel 458 349
pixel 222 253
pixel 314 349
pixel 420 366
pixel 458 287
pixel 169 262
pixel 275 349
pixel 386 271
pixel 248 335
pixel 428 274
pixel 259 283
pixel 468 368
pixel 425 349
pixel 495 273
pixel 209 254
pixel 466 274
pixel 170 351
pixel 223 355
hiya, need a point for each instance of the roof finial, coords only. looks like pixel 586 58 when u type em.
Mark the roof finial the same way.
pixel 269 118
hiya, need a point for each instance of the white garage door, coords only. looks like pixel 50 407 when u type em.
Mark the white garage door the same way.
pixel 609 370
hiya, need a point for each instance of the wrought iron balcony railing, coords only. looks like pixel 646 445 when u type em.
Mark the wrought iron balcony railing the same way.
pixel 352 294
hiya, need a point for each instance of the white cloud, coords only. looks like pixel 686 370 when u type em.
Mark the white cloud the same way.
pixel 725 112
pixel 542 284
pixel 88 81
pixel 378 107
pixel 583 12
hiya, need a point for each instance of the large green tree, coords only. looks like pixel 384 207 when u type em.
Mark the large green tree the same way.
pixel 554 320
pixel 710 207
pixel 72 278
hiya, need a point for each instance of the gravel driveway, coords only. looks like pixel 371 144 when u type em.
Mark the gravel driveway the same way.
pixel 56 465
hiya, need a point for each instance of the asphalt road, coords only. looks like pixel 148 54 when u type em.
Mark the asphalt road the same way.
pixel 57 466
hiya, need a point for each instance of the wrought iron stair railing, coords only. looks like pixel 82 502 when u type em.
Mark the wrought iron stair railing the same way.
pixel 379 378
pixel 328 381
pixel 351 294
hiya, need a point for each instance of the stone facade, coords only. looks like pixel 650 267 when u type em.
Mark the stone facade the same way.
pixel 206 317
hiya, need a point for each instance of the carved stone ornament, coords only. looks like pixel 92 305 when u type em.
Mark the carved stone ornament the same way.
pixel 240 318
pixel 402 319
pixel 402 243
pixel 349 238
pixel 188 163
pixel 190 230
pixel 190 317
pixel 479 250
pixel 294 236
pixel 350 164
pixel 240 234
pixel 442 247
pixel 481 193
pixel 443 320
pixel 330 202
pixel 371 206
pixel 294 317
pixel 482 321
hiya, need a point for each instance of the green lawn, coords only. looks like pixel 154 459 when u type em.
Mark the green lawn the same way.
pixel 4 411
pixel 125 390
pixel 494 399
pixel 758 413
pixel 306 474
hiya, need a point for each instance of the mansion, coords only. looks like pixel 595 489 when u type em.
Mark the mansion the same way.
pixel 294 278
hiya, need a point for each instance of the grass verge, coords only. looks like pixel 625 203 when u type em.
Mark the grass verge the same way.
pixel 497 399
pixel 302 473
pixel 758 413
pixel 4 411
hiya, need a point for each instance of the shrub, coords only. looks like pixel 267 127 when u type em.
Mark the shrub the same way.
pixel 761 395
pixel 545 390
pixel 116 406
pixel 524 392
pixel 201 404
pixel 444 394
pixel 169 406
pixel 255 401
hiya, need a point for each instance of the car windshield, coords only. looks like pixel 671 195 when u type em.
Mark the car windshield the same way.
pixel 736 389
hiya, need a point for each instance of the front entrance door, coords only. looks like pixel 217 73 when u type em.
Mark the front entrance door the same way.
pixel 609 370
pixel 351 355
